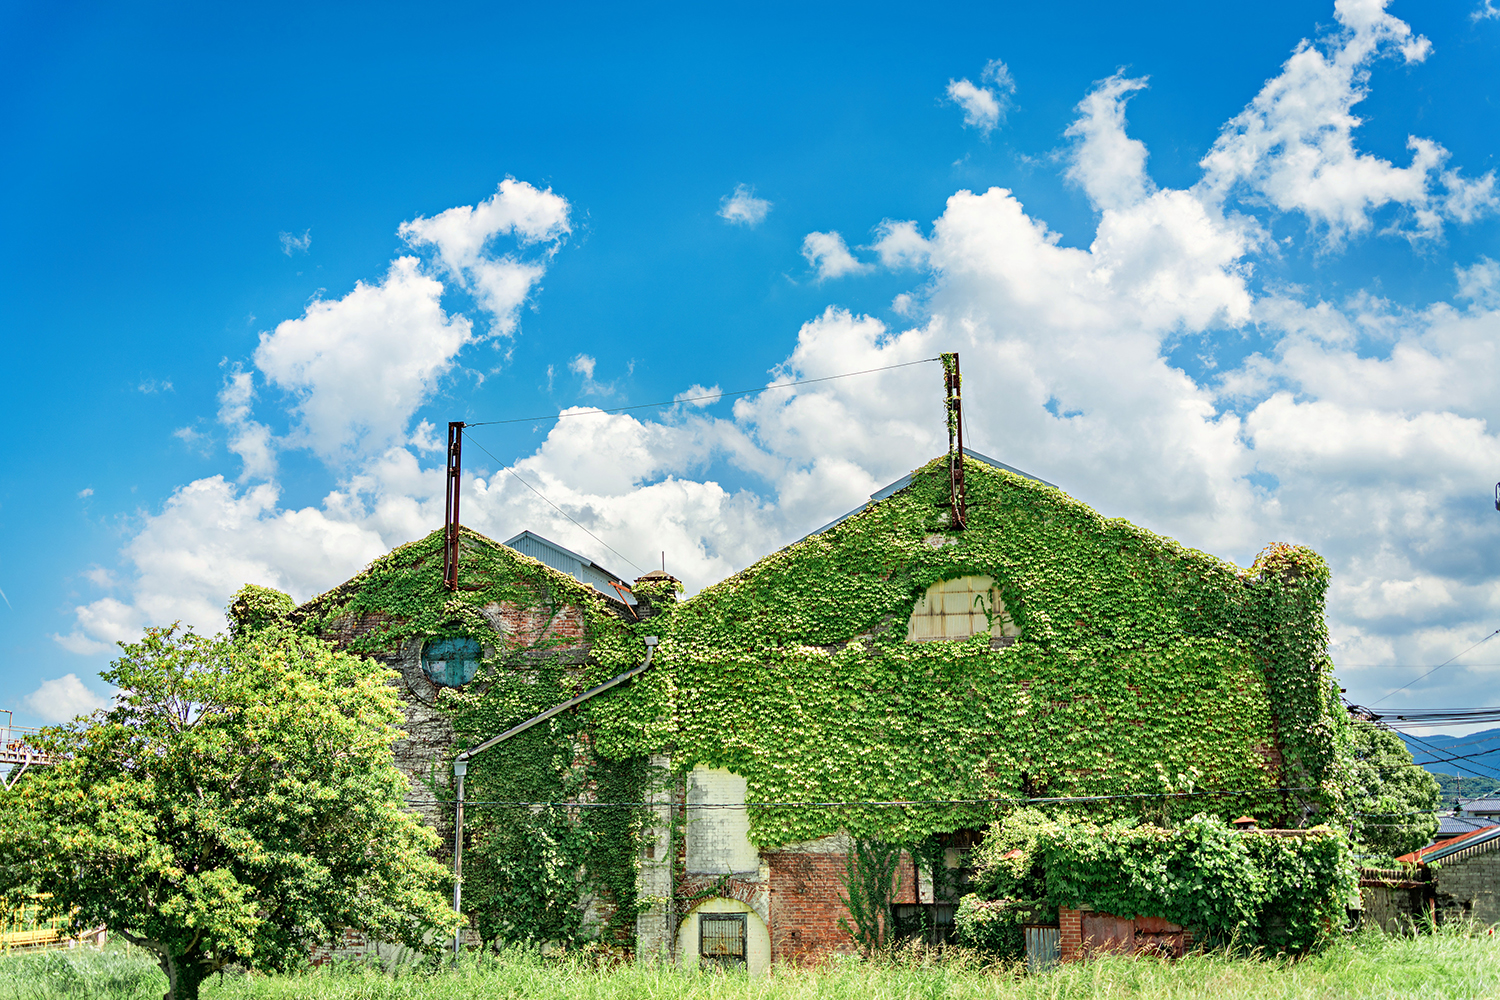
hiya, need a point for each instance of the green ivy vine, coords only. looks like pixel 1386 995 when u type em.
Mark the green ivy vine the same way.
pixel 1143 667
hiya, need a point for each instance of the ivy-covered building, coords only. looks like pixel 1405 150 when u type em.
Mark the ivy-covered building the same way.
pixel 889 679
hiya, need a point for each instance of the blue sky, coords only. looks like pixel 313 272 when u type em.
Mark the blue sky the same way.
pixel 1233 278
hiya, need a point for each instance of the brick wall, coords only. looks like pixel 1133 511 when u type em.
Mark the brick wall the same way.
pixel 805 907
pixel 1070 934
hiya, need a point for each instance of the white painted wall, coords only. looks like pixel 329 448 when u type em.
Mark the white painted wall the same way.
pixel 718 825
pixel 757 937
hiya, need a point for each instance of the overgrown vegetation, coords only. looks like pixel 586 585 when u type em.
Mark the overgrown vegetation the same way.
pixel 237 803
pixel 1448 965
pixel 1140 662
pixel 1146 673
pixel 869 879
pixel 527 868
pixel 1452 787
pixel 1248 889
pixel 1394 802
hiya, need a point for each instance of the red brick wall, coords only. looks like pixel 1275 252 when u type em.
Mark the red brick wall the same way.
pixel 1070 934
pixel 534 623
pixel 805 905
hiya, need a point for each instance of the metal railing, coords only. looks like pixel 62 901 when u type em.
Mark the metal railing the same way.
pixel 16 751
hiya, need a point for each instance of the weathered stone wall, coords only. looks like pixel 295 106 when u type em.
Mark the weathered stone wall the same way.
pixel 655 883
pixel 1468 888
pixel 423 754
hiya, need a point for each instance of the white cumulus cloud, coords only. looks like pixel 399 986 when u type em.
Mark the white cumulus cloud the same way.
pixel 462 237
pixel 1362 427
pixel 63 698
pixel 358 367
pixel 742 208
pixel 830 256
pixel 984 107
pixel 291 243
pixel 1293 147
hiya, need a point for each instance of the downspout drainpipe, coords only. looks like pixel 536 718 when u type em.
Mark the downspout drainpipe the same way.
pixel 461 768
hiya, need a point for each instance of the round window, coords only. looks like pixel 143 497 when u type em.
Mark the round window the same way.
pixel 451 662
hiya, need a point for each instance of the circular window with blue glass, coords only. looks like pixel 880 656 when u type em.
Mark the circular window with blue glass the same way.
pixel 451 662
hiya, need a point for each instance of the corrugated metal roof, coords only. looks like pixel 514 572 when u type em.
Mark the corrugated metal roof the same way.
pixel 1447 848
pixel 1452 826
pixel 905 481
pixel 567 561
pixel 1479 805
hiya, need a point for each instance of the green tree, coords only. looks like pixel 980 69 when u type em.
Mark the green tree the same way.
pixel 254 608
pixel 237 804
pixel 1394 801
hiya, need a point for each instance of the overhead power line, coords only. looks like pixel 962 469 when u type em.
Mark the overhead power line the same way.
pixel 638 406
pixel 879 803
pixel 694 399
pixel 554 506
pixel 1440 751
pixel 1439 666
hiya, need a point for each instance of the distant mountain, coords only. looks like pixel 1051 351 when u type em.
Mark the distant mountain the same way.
pixel 1480 753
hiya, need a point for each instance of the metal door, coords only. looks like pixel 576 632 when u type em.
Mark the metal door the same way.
pixel 721 940
pixel 1043 947
pixel 1107 932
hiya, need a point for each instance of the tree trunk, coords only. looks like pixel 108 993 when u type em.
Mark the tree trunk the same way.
pixel 184 976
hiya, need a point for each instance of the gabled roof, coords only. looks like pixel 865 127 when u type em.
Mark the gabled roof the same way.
pixel 567 561
pixel 1485 839
pixel 1452 826
pixel 1486 805
pixel 905 481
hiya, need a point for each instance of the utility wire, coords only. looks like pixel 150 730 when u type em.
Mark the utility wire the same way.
pixel 1439 750
pixel 884 803
pixel 554 506
pixel 693 399
pixel 1493 738
pixel 1438 667
pixel 639 406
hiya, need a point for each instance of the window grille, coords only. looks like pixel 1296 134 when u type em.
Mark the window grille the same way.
pixel 929 922
pixel 451 662
pixel 721 939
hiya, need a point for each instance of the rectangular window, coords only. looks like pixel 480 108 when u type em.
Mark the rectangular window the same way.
pixel 721 939
pixel 929 922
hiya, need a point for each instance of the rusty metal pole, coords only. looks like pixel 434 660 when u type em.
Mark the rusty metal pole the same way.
pixel 952 383
pixel 450 511
pixel 460 768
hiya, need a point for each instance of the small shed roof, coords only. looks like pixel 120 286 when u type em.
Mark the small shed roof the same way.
pixel 1453 845
pixel 567 561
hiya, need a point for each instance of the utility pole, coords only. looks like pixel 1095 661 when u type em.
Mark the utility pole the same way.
pixel 952 383
pixel 450 511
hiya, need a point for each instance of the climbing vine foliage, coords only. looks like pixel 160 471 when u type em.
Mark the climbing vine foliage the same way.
pixel 1143 669
pixel 545 637
pixel 1247 888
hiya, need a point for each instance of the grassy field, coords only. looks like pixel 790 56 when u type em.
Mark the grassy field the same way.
pixel 1447 966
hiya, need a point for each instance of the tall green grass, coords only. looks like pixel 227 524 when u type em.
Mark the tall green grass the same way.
pixel 1451 964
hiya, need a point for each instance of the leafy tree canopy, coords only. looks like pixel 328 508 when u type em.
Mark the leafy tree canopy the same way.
pixel 238 803
pixel 254 608
pixel 1395 801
